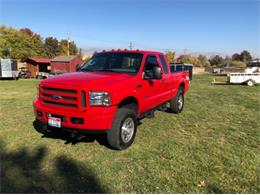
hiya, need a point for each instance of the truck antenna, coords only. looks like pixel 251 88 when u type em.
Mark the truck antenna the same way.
pixel 68 45
pixel 131 46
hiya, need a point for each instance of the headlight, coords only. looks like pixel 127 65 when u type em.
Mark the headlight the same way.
pixel 99 98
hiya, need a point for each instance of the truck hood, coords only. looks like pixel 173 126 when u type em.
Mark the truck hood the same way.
pixel 89 79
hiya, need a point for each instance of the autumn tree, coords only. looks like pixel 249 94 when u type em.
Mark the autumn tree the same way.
pixel 20 44
pixel 170 56
pixel 51 46
pixel 203 61
pixel 216 61
pixel 188 59
pixel 237 64
pixel 63 47
pixel 27 31
pixel 24 43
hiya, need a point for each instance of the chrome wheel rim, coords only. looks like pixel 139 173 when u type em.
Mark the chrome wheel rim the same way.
pixel 127 130
pixel 180 102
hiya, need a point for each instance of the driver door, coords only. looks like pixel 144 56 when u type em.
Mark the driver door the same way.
pixel 151 90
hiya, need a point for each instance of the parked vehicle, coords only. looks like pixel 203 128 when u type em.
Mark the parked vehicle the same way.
pixel 110 93
pixel 244 78
pixel 24 73
pixel 179 67
pixel 52 74
pixel 8 69
pixel 42 75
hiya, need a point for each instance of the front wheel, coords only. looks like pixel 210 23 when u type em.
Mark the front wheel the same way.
pixel 177 103
pixel 122 133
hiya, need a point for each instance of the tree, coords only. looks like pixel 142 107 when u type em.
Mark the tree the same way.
pixel 170 56
pixel 227 61
pixel 51 46
pixel 204 62
pixel 236 57
pixel 188 59
pixel 24 43
pixel 237 64
pixel 216 61
pixel 27 31
pixel 73 48
pixel 16 44
pixel 246 57
pixel 63 48
pixel 37 47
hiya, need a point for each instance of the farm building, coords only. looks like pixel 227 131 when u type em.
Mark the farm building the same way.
pixel 65 63
pixel 36 65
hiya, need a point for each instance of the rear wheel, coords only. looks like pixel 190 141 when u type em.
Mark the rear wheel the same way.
pixel 177 103
pixel 122 133
pixel 250 83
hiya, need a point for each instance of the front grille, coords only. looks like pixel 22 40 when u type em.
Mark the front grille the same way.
pixel 58 97
pixel 60 104
pixel 64 97
pixel 55 90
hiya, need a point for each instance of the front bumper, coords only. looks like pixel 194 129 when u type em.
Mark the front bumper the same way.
pixel 94 118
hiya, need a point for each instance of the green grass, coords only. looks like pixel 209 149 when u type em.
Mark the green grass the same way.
pixel 214 142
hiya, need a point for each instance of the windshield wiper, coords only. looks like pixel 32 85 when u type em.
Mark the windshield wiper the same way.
pixel 87 70
pixel 107 70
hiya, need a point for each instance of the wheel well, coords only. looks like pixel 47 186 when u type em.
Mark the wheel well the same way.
pixel 130 102
pixel 182 85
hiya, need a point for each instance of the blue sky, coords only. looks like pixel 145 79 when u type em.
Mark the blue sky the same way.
pixel 204 26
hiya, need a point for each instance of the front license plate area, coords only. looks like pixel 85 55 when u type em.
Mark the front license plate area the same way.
pixel 54 122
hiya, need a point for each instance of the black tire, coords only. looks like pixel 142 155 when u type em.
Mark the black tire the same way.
pixel 175 105
pixel 115 134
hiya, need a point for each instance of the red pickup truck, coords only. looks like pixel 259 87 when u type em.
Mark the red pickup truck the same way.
pixel 110 93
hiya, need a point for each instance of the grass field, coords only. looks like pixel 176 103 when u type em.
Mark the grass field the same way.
pixel 212 147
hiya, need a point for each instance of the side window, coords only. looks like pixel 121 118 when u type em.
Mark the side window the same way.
pixel 164 64
pixel 151 61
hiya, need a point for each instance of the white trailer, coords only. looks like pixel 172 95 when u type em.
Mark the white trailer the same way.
pixel 248 78
pixel 8 68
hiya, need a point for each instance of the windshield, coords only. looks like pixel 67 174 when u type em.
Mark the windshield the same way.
pixel 114 62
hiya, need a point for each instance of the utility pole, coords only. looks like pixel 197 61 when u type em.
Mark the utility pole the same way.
pixel 131 46
pixel 68 45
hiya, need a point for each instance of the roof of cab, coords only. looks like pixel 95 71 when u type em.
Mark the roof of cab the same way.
pixel 131 51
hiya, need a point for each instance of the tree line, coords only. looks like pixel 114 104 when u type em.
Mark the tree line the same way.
pixel 241 60
pixel 24 43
